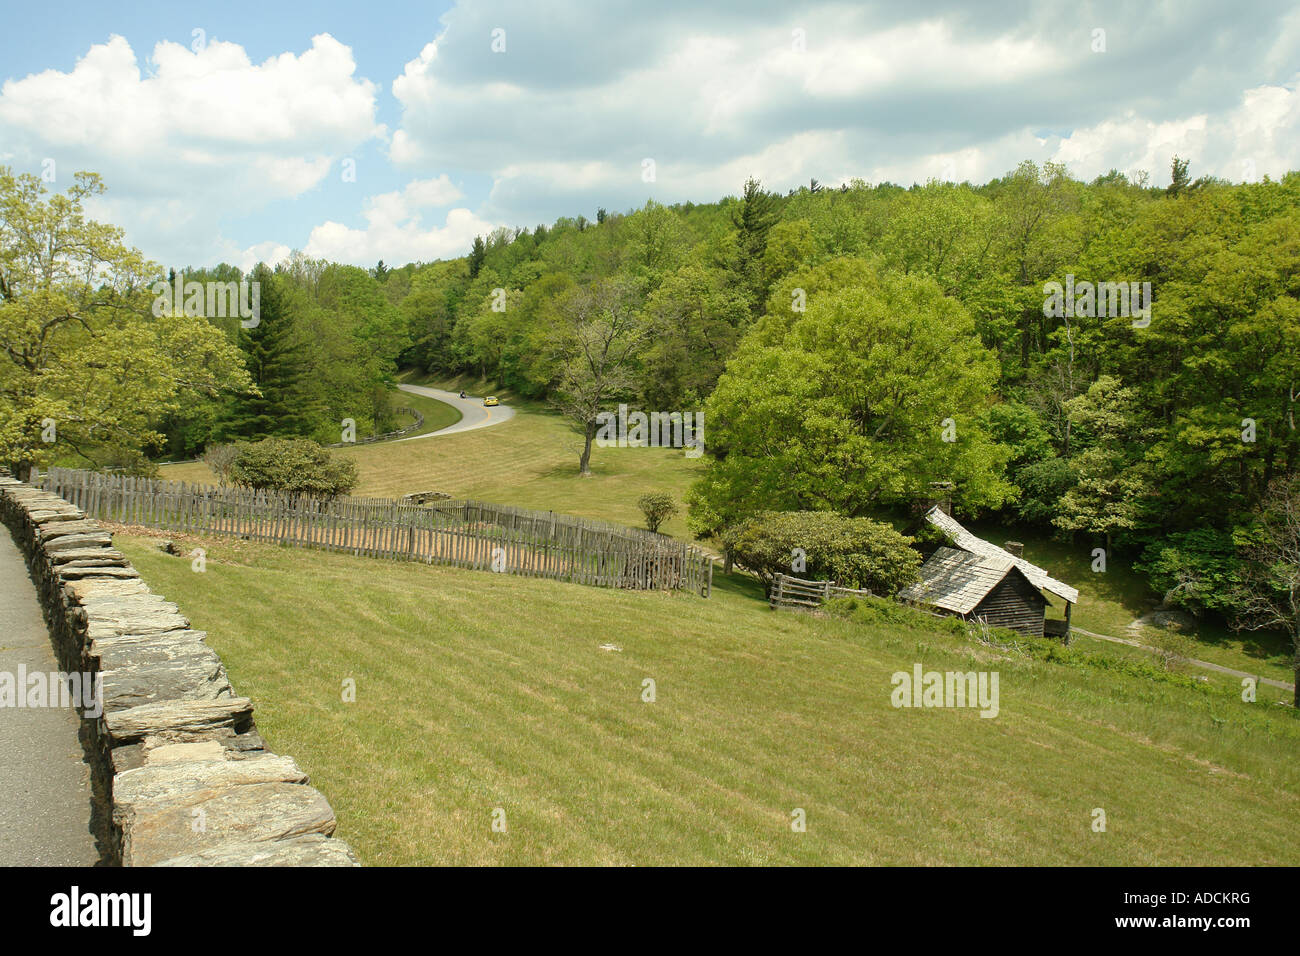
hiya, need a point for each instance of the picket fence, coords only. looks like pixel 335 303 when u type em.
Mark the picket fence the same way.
pixel 465 534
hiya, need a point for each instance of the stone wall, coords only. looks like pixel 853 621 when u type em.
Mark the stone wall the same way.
pixel 181 776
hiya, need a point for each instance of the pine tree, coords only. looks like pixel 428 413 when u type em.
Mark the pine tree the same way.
pixel 753 218
pixel 275 359
pixel 476 256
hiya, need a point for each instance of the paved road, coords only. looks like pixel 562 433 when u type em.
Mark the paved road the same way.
pixel 473 414
pixel 1219 668
pixel 45 790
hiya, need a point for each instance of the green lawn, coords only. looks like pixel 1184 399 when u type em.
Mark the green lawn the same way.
pixel 478 691
pixel 530 461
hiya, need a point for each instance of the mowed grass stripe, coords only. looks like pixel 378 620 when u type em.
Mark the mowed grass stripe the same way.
pixel 477 691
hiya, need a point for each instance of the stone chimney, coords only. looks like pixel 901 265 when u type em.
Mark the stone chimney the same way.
pixel 1015 548
pixel 941 495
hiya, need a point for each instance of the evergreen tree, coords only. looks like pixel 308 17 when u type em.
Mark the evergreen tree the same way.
pixel 753 218
pixel 476 256
pixel 274 358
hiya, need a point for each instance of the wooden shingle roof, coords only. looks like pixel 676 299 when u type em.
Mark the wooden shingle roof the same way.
pixel 956 580
pixel 965 541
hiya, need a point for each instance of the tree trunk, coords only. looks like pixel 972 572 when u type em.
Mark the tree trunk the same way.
pixel 584 463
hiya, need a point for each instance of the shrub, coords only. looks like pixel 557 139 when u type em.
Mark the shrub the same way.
pixel 297 466
pixel 658 507
pixel 853 552
pixel 1173 648
pixel 219 458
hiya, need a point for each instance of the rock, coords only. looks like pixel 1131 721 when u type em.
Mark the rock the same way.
pixel 180 720
pixel 310 850
pixel 67 542
pixel 80 554
pixel 112 649
pixel 165 782
pixel 90 588
pixel 182 753
pixel 192 678
pixel 132 650
pixel 206 819
pixel 58 529
pixel 74 571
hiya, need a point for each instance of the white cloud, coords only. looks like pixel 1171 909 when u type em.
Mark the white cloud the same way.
pixel 195 137
pixel 395 230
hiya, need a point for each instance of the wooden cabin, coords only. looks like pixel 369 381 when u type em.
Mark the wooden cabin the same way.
pixel 975 579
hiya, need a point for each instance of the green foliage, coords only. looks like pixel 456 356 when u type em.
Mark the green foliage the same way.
pixel 860 402
pixel 853 552
pixel 87 372
pixel 1200 570
pixel 298 467
pixel 658 507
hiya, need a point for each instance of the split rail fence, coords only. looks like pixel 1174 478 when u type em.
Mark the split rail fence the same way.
pixel 791 592
pixel 465 534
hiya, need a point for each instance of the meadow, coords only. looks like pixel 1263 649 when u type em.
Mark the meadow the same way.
pixel 479 694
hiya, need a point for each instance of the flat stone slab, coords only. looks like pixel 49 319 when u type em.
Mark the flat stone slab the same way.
pixel 67 542
pixel 82 554
pixel 181 718
pixel 206 819
pixel 310 850
pixel 190 677
pixel 89 589
pixel 132 649
pixel 74 571
pixel 158 783
pixel 58 529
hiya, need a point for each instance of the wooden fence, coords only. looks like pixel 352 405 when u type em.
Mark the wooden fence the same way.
pixel 791 592
pixel 466 534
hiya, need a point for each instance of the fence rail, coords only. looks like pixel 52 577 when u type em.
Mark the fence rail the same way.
pixel 791 592
pixel 466 534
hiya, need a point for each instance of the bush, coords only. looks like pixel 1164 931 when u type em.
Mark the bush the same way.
pixel 299 467
pixel 853 552
pixel 658 507
pixel 1173 648
pixel 219 458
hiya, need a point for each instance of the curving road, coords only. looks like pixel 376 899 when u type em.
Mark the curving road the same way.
pixel 473 414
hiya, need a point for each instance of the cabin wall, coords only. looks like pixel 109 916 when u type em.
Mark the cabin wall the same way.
pixel 1014 604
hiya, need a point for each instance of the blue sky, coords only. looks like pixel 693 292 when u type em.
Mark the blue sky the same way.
pixel 460 118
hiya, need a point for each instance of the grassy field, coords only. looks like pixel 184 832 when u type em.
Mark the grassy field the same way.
pixel 530 461
pixel 477 691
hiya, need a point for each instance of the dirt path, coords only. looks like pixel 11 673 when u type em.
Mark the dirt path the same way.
pixel 1218 668
pixel 45 790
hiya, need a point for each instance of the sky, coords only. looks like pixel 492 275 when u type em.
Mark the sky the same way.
pixel 355 132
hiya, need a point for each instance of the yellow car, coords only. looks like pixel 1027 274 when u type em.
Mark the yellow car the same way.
pixel 490 400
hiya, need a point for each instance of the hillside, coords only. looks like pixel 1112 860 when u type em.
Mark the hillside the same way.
pixel 476 691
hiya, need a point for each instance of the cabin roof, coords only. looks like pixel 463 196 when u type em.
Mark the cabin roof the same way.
pixel 957 581
pixel 965 541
